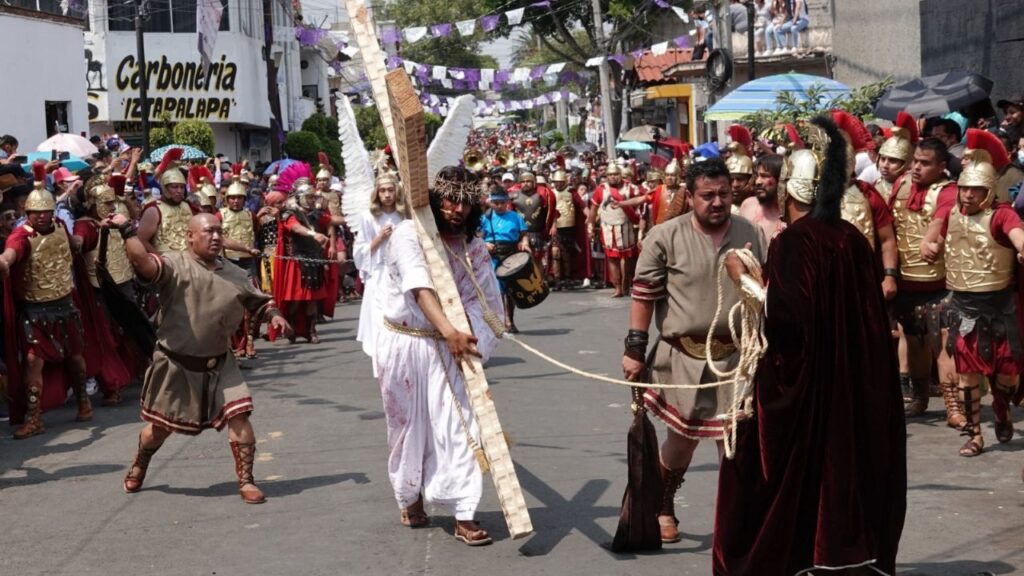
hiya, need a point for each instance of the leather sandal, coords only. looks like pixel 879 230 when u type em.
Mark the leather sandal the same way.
pixel 472 536
pixel 414 516
pixel 133 480
pixel 112 398
pixel 971 448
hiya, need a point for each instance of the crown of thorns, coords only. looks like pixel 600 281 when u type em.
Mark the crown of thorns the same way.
pixel 457 192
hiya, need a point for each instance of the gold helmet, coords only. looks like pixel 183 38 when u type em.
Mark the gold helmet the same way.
pixel 542 180
pixel 527 175
pixel 984 160
pixel 325 170
pixel 815 171
pixel 800 173
pixel 627 172
pixel 205 198
pixel 858 138
pixel 739 161
pixel 673 168
pixel 237 187
pixel 98 194
pixel 653 175
pixel 559 176
pixel 900 146
pixel 40 199
pixel 613 168
pixel 168 172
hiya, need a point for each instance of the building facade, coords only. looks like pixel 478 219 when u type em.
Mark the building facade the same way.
pixel 45 90
pixel 231 96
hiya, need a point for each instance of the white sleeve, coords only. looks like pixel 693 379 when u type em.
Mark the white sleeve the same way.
pixel 365 234
pixel 406 255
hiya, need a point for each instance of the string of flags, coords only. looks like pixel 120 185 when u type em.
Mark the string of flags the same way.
pixel 440 104
pixel 471 79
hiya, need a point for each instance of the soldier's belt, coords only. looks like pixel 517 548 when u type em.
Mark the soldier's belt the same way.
pixel 695 347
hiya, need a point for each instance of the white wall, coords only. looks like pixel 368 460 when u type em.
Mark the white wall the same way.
pixel 45 63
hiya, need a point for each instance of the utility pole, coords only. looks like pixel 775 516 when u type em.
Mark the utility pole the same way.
pixel 606 97
pixel 750 39
pixel 273 95
pixel 143 77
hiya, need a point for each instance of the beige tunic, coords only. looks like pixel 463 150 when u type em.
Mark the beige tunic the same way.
pixel 199 310
pixel 678 269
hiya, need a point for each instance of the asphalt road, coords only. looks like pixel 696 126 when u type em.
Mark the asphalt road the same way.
pixel 322 463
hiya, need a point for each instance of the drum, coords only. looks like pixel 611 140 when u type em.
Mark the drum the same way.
pixel 523 280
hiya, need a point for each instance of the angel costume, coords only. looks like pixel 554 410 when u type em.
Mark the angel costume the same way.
pixel 371 269
pixel 431 430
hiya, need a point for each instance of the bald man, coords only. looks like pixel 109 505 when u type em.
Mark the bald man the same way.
pixel 193 382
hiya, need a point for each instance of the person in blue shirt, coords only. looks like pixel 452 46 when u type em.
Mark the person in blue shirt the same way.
pixel 504 231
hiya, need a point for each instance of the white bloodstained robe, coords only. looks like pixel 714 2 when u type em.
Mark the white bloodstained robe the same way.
pixel 430 452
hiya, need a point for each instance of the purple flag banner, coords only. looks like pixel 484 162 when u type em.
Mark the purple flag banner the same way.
pixel 439 30
pixel 489 23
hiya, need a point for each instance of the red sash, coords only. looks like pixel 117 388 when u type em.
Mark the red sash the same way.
pixel 629 210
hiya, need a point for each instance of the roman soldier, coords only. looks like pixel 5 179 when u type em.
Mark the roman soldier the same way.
pixel 896 153
pixel 982 239
pixel 537 205
pixel 44 345
pixel 200 181
pixel 618 232
pixel 330 200
pixel 570 258
pixel 741 166
pixel 109 357
pixel 164 223
pixel 145 188
pixel 240 230
pixel 922 284
pixel 668 200
pixel 863 206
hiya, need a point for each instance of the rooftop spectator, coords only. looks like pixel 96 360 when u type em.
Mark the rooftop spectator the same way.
pixel 796 21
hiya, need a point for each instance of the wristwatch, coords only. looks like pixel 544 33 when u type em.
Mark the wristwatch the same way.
pixel 893 272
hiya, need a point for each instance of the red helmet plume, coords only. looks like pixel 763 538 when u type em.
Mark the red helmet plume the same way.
pixel 39 171
pixel 117 182
pixel 908 125
pixel 860 138
pixel 794 137
pixel 740 135
pixel 990 143
pixel 197 174
pixel 171 156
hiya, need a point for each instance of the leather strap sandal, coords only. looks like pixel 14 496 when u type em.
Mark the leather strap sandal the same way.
pixel 472 536
pixel 414 516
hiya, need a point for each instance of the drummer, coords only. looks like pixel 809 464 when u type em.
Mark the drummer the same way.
pixel 504 231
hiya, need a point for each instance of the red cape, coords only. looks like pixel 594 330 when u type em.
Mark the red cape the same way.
pixel 820 471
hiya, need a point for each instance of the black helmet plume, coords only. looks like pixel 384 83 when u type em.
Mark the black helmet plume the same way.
pixel 833 178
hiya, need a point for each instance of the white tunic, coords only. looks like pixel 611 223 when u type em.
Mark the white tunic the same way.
pixel 371 270
pixel 421 384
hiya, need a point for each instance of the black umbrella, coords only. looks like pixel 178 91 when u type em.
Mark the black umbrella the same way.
pixel 934 95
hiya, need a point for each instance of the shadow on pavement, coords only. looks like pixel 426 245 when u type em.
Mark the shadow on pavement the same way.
pixel 272 488
pixel 956 567
pixel 35 476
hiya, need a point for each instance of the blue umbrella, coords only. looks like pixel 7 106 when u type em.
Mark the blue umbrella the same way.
pixel 762 94
pixel 633 146
pixel 191 153
pixel 278 166
pixel 73 163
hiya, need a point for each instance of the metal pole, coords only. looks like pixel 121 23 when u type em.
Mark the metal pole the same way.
pixel 606 98
pixel 750 40
pixel 143 77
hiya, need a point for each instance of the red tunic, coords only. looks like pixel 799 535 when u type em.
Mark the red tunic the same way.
pixel 108 356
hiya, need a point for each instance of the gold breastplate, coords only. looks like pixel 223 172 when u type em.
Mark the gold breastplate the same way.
pixel 566 209
pixel 664 201
pixel 48 270
pixel 856 210
pixel 238 227
pixel 170 236
pixel 884 188
pixel 975 262
pixel 910 230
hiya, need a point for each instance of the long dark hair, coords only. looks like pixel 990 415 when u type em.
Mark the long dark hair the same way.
pixel 457 175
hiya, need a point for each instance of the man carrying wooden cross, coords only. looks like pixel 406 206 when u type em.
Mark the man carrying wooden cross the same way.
pixel 432 433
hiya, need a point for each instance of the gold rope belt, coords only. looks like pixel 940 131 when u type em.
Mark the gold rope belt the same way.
pixel 418 332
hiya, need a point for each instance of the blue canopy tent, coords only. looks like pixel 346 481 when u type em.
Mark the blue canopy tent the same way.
pixel 762 94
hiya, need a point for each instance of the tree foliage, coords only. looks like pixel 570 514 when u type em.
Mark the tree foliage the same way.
pixel 195 133
pixel 303 145
pixel 769 123
pixel 370 127
pixel 452 50
pixel 326 129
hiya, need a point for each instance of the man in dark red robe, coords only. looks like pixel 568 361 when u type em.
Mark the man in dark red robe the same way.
pixel 819 474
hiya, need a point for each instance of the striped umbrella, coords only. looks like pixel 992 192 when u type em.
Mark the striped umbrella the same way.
pixel 762 94
pixel 191 153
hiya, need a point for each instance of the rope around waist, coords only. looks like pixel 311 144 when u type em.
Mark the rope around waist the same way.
pixel 408 331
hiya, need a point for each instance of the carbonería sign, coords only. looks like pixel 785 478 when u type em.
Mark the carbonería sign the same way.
pixel 198 93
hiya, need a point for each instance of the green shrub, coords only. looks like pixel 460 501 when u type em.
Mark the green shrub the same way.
pixel 303 145
pixel 195 133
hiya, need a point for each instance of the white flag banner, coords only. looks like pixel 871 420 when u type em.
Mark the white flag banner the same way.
pixel 515 17
pixel 208 13
pixel 440 72
pixel 487 75
pixel 595 61
pixel 415 34
pixel 481 85
pixel 555 68
pixel 466 27
pixel 521 75
pixel 682 14
pixel 409 66
pixel 659 48
pixel 446 83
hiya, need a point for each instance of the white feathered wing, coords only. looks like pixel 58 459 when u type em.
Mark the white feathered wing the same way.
pixel 450 141
pixel 359 178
